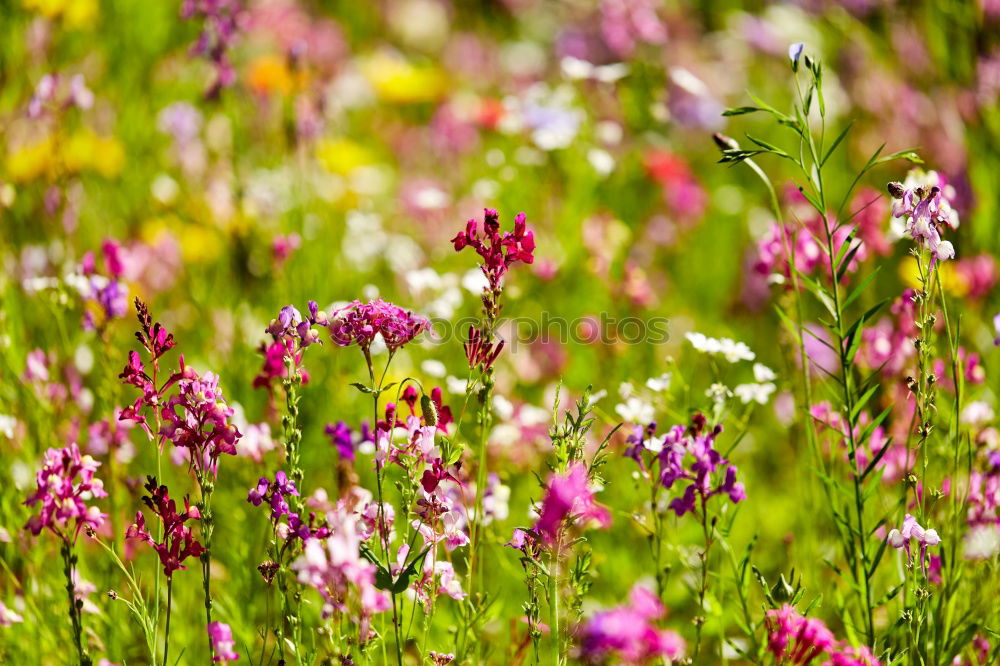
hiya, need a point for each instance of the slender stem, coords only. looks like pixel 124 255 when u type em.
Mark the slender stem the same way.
pixel 556 637
pixel 166 634
pixel 69 565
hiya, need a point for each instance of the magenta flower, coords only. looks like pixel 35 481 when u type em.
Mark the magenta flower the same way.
pixel 569 497
pixel 178 542
pixel 197 418
pixel 222 642
pixel 629 634
pixel 62 495
pixel 358 323
pixel 796 639
pixel 498 251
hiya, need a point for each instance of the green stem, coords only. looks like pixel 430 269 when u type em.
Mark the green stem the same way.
pixel 166 634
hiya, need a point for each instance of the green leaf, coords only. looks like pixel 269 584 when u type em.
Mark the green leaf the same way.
pixel 860 404
pixel 769 147
pixel 741 110
pixel 874 461
pixel 361 387
pixel 877 558
pixel 836 142
pixel 861 287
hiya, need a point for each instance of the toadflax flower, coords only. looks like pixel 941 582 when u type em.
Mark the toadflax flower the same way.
pixel 923 201
pixel 344 579
pixel 912 531
pixel 63 496
pixel 628 633
pixel 569 496
pixel 359 323
pixel 178 542
pixel 796 639
pixel 197 418
pixel 222 642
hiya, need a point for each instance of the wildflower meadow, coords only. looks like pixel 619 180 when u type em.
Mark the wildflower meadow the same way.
pixel 426 332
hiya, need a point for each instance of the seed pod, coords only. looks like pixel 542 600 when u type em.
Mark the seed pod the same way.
pixel 429 410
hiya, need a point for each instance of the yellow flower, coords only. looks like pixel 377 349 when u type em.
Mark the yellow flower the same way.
pixel 28 162
pixel 340 155
pixel 75 13
pixel 951 281
pixel 87 150
pixel 396 80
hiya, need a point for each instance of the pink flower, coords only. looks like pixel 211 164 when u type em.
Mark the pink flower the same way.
pixel 222 642
pixel 569 498
pixel 62 496
pixel 912 531
pixel 197 418
pixel 628 634
pixel 358 323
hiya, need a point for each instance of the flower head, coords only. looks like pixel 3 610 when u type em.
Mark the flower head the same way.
pixel 178 542
pixel 569 497
pixel 62 495
pixel 628 632
pixel 222 642
pixel 358 323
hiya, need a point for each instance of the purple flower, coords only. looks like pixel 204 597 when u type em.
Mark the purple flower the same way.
pixel 340 437
pixel 795 53
pixel 178 542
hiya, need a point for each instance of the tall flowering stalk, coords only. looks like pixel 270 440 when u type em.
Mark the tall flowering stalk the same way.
pixel 360 324
pixel 567 507
pixel 177 543
pixel 840 245
pixel 64 512
pixel 498 251
pixel 191 413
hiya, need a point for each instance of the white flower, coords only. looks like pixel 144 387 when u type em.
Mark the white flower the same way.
pixel 503 407
pixel 434 368
pixel 655 444
pixel 977 413
pixel 730 349
pixel 7 425
pixel 602 161
pixel 762 373
pixel 735 351
pixel 659 384
pixel 759 393
pixel 596 396
pixel 703 343
pixel 456 385
pixel 635 410
pixel 982 542
pixel 625 390
pixel 718 392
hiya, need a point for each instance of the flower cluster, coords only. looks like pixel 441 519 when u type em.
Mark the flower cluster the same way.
pixel 359 323
pixel 923 203
pixel 291 333
pixel 221 20
pixel 222 642
pixel 727 348
pixel 156 341
pixel 569 498
pixel 335 567
pixel 912 531
pixel 498 250
pixel 796 639
pixel 628 633
pixel 670 451
pixel 178 542
pixel 105 298
pixel 197 418
pixel 275 495
pixel 63 496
